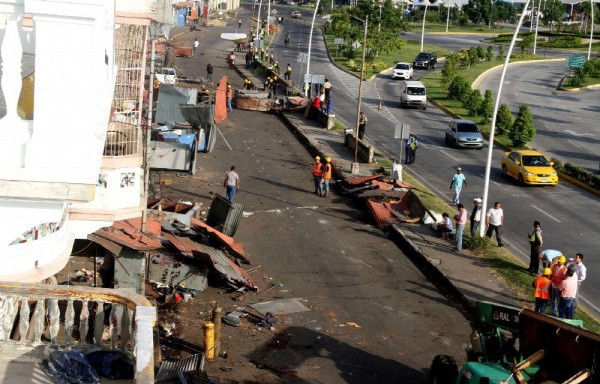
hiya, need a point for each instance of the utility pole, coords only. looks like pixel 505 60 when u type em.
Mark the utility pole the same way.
pixel 148 134
pixel 355 165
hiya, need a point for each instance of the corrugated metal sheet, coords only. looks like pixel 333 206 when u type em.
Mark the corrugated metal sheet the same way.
pixel 169 99
pixel 169 369
pixel 235 275
pixel 382 213
pixel 224 216
pixel 128 233
pixel 180 243
pixel 236 249
pixel 168 270
pixel 404 184
pixel 382 185
pixel 361 180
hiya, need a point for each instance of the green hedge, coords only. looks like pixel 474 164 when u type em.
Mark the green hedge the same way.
pixel 581 174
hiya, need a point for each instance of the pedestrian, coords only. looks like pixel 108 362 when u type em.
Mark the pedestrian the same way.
pixel 231 60
pixel 362 124
pixel 494 221
pixel 231 184
pixel 229 96
pixel 318 176
pixel 239 23
pixel 315 107
pixel 568 290
pixel 535 241
pixel 288 72
pixel 209 72
pixel 457 182
pixel 580 272
pixel 327 171
pixel 327 87
pixel 411 149
pixel 329 106
pixel 542 290
pixel 559 269
pixel 548 256
pixel 475 216
pixel 249 57
pixel 445 227
pixel 461 221
pixel 196 45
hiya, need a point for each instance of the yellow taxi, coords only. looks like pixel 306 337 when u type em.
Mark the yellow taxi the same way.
pixel 529 167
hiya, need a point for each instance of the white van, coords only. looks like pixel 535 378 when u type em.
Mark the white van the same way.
pixel 413 93
pixel 166 76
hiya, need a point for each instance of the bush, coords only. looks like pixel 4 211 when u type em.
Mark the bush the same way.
pixel 504 120
pixel 501 52
pixel 522 130
pixel 473 58
pixel 449 71
pixel 477 244
pixel 473 102
pixel 487 106
pixel 489 54
pixel 459 88
pixel 480 53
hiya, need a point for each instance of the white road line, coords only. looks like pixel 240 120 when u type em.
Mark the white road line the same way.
pixel 546 213
pixel 491 181
pixel 577 145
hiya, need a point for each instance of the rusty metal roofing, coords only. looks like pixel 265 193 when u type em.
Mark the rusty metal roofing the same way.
pixel 169 369
pixel 362 180
pixel 382 185
pixel 224 216
pixel 236 249
pixel 404 184
pixel 234 275
pixel 382 213
pixel 128 233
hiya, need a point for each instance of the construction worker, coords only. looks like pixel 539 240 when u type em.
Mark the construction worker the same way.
pixel 288 72
pixel 229 96
pixel 362 124
pixel 558 269
pixel 411 149
pixel 318 175
pixel 327 171
pixel 267 83
pixel 542 290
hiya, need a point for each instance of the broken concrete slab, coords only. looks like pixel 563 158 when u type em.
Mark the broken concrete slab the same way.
pixel 280 307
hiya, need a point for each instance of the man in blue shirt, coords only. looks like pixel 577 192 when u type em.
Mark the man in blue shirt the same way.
pixel 457 182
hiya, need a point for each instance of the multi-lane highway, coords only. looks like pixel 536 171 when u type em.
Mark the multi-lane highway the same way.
pixel 570 217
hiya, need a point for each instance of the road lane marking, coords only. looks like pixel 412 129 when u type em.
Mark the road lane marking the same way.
pixel 546 213
pixel 577 145
pixel 491 181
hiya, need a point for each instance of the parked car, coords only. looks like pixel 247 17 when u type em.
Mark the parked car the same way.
pixel 166 76
pixel 427 60
pixel 464 134
pixel 529 167
pixel 296 15
pixel 402 71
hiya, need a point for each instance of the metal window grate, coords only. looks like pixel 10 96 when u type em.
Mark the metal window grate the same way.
pixel 124 133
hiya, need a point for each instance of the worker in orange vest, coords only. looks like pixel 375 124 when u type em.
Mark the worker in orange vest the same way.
pixel 542 290
pixel 318 175
pixel 558 269
pixel 327 170
pixel 229 96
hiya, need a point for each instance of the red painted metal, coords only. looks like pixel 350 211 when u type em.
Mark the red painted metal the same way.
pixel 362 180
pixel 382 213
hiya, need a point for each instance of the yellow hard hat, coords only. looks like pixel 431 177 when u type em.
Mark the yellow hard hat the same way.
pixel 229 86
pixel 317 157
pixel 562 259
pixel 328 159
pixel 547 272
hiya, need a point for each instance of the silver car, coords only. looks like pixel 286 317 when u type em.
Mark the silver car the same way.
pixel 464 134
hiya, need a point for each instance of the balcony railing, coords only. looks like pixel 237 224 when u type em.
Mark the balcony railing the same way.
pixel 38 318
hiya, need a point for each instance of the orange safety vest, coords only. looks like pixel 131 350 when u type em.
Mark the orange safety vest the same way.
pixel 542 287
pixel 318 169
pixel 327 172
pixel 558 275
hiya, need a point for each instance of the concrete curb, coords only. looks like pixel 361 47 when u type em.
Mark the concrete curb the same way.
pixel 573 180
pixel 481 77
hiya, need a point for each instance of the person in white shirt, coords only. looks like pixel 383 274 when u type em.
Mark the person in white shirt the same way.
pixel 445 227
pixel 232 184
pixel 580 272
pixel 494 221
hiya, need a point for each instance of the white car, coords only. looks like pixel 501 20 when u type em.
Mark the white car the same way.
pixel 402 71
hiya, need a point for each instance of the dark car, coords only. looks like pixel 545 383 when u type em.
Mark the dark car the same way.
pixel 464 134
pixel 427 60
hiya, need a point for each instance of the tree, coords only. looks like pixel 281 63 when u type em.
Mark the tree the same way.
pixel 500 52
pixel 487 106
pixel 473 102
pixel 458 88
pixel 449 70
pixel 478 11
pixel 504 120
pixel 522 131
pixel 489 53
pixel 553 12
pixel 525 42
pixel 473 59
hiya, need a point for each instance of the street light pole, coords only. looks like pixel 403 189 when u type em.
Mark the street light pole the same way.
pixel 269 18
pixel 591 30
pixel 312 27
pixel 258 20
pixel 423 28
pixel 355 166
pixel 537 21
pixel 488 165
pixel 447 18
pixel 379 25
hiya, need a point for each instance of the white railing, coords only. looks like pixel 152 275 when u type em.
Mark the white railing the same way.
pixel 54 317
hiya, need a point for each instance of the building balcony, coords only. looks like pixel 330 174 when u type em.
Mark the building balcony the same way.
pixel 39 319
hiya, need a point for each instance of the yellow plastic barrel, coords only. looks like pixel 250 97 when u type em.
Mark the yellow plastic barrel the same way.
pixel 209 340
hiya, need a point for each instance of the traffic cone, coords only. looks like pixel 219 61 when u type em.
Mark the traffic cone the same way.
pixel 380 105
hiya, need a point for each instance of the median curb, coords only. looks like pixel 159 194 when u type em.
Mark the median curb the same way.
pixel 482 76
pixel 578 183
